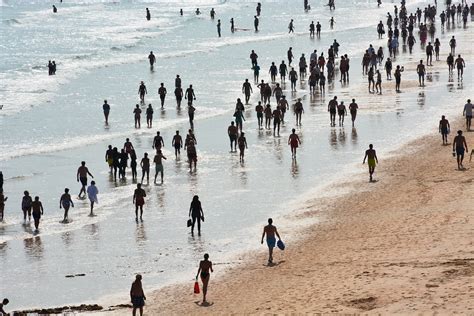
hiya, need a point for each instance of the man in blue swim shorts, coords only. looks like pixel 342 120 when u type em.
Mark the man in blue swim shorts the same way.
pixel 270 231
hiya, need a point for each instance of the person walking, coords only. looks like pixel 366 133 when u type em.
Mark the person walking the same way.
pixel 205 269
pixel 196 214
pixel 137 296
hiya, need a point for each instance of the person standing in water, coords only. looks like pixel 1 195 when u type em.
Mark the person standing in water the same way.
pixel 196 214
pixel 299 110
pixel 142 91
pixel 459 148
pixel 353 107
pixel 192 154
pixel 372 160
pixel 133 164
pixel 148 15
pixel 341 112
pixel 332 109
pixel 294 141
pixel 162 93
pixel 137 114
pixel 139 200
pixel 151 59
pixel 178 93
pixel 37 210
pixel 158 142
pixel 3 199
pixel 92 192
pixel 137 296
pixel 106 108
pixel 66 202
pixel 291 28
pixel 420 69
pixel 205 269
pixel 149 116
pixel 219 28
pixel 242 141
pixel 177 143
pixel 247 90
pixel 255 23
pixel 232 26
pixel 444 128
pixel 26 205
pixel 81 176
pixel 270 231
pixel 259 109
pixel 189 95
pixel 145 164
pixel 159 164
pixel 191 110
pixel 233 133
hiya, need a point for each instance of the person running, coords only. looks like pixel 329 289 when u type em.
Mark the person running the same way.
pixel 151 59
pixel 177 143
pixel 299 110
pixel 137 114
pixel 137 296
pixel 242 142
pixel 196 214
pixel 205 269
pixel 65 202
pixel 270 231
pixel 467 112
pixel 444 129
pixel 158 142
pixel 37 211
pixel 106 109
pixel 142 91
pixel 26 205
pixel 372 160
pixel 189 95
pixel 92 192
pixel 162 93
pixel 81 176
pixel 294 141
pixel 159 164
pixel 259 109
pixel 341 112
pixel 332 109
pixel 233 133
pixel 247 90
pixel 192 154
pixel 145 165
pixel 139 200
pixel 459 148
pixel 353 107
pixel 460 65
pixel 420 69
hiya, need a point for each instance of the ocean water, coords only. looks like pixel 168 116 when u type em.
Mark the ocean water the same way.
pixel 51 123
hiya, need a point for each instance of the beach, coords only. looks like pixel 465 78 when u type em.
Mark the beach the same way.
pixel 348 241
pixel 401 245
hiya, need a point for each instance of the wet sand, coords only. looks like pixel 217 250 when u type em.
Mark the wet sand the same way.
pixel 401 245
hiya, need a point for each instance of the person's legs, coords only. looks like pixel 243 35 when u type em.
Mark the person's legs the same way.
pixel 199 224
pixel 205 282
pixel 141 212
pixel 136 211
pixel 134 312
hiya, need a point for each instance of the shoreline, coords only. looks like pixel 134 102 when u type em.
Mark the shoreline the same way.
pixel 408 259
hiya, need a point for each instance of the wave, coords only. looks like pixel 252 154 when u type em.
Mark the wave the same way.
pixel 11 22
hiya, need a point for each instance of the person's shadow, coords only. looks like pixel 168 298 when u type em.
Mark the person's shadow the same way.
pixel 206 304
pixel 273 264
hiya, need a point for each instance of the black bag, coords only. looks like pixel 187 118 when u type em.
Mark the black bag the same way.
pixel 190 223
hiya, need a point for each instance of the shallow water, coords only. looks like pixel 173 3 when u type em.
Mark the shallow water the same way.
pixel 50 124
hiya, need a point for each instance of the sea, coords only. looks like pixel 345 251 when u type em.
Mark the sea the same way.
pixel 49 124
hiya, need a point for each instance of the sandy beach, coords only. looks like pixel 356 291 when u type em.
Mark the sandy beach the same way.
pixel 401 245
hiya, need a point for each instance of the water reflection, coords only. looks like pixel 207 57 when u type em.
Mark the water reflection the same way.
pixel 333 138
pixel 67 238
pixel 354 136
pixel 278 149
pixel 294 169
pixel 34 247
pixel 342 136
pixel 140 234
pixel 421 99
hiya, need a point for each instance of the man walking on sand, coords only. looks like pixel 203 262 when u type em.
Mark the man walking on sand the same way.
pixel 467 112
pixel 444 128
pixel 270 231
pixel 372 160
pixel 137 296
pixel 459 148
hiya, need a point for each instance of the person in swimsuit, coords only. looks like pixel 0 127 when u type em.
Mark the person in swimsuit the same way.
pixel 189 95
pixel 128 146
pixel 106 108
pixel 145 164
pixel 205 267
pixel 353 107
pixel 332 109
pixel 151 59
pixel 444 128
pixel 178 93
pixel 196 214
pixel 133 164
pixel 159 164
pixel 459 148
pixel 177 143
pixel 276 115
pixel 191 110
pixel 109 157
pixel 192 154
pixel 139 200
pixel 142 91
pixel 247 90
pixel 149 116
pixel 26 205
pixel 137 113
pixel 37 210
pixel 242 141
pixel 372 160
pixel 233 133
pixel 341 112
pixel 158 142
pixel 420 69
pixel 162 93
pixel 460 64
pixel 82 173
pixel 65 202
pixel 137 296
pixel 92 192
pixel 270 231
pixel 2 304
pixel 294 141
pixel 299 110
pixel 467 112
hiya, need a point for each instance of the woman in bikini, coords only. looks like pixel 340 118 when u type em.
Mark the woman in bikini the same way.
pixel 204 267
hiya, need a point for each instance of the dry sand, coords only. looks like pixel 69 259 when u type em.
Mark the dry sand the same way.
pixel 404 244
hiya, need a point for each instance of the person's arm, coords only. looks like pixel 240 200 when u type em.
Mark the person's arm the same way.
pixel 190 209
pixel 186 94
pixel 163 157
pixel 106 157
pixel 199 270
pixel 146 91
pixel 276 233
pixel 134 196
pixel 299 140
pixel 376 159
pixel 77 175
pixel 465 144
pixel 210 267
pixel 289 139
pixel 464 111
pixel 131 292
pixel 70 201
pixel 89 173
pixel 263 235
pixel 42 210
pixel 246 144
pixel 439 127
pixel 365 157
pixel 60 200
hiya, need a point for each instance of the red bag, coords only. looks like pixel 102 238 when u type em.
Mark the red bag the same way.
pixel 196 287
